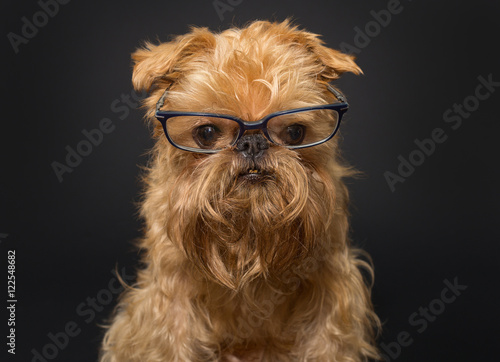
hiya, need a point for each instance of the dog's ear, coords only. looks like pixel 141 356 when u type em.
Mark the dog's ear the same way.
pixel 153 63
pixel 334 62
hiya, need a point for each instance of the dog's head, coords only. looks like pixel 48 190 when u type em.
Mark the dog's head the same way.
pixel 234 185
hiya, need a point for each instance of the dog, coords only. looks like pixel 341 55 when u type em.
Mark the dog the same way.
pixel 246 254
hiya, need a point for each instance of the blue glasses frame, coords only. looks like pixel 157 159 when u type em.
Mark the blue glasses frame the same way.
pixel 340 107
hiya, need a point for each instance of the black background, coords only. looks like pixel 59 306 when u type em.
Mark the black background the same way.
pixel 441 223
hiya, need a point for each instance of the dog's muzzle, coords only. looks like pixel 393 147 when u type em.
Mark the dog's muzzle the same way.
pixel 252 147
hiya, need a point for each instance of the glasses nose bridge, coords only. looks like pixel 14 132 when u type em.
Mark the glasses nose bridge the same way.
pixel 254 127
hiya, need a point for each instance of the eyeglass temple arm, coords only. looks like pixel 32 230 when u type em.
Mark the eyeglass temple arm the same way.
pixel 337 94
pixel 161 101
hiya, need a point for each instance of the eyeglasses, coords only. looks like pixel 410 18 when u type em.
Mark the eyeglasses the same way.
pixel 210 132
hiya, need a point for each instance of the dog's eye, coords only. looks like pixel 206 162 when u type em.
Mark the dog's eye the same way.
pixel 294 134
pixel 206 136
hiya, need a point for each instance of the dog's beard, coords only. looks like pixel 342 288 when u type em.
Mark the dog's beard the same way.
pixel 236 228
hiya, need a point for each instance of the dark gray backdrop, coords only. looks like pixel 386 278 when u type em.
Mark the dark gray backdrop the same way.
pixel 423 67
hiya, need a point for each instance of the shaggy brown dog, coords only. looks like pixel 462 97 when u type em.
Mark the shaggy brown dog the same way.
pixel 246 251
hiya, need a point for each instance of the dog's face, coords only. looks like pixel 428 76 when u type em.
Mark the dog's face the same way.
pixel 255 207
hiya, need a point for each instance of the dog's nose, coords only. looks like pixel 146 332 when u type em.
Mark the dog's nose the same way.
pixel 252 145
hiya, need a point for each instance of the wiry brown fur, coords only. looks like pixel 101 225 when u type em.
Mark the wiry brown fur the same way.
pixel 239 271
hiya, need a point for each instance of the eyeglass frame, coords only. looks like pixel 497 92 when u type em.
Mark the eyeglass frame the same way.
pixel 163 116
